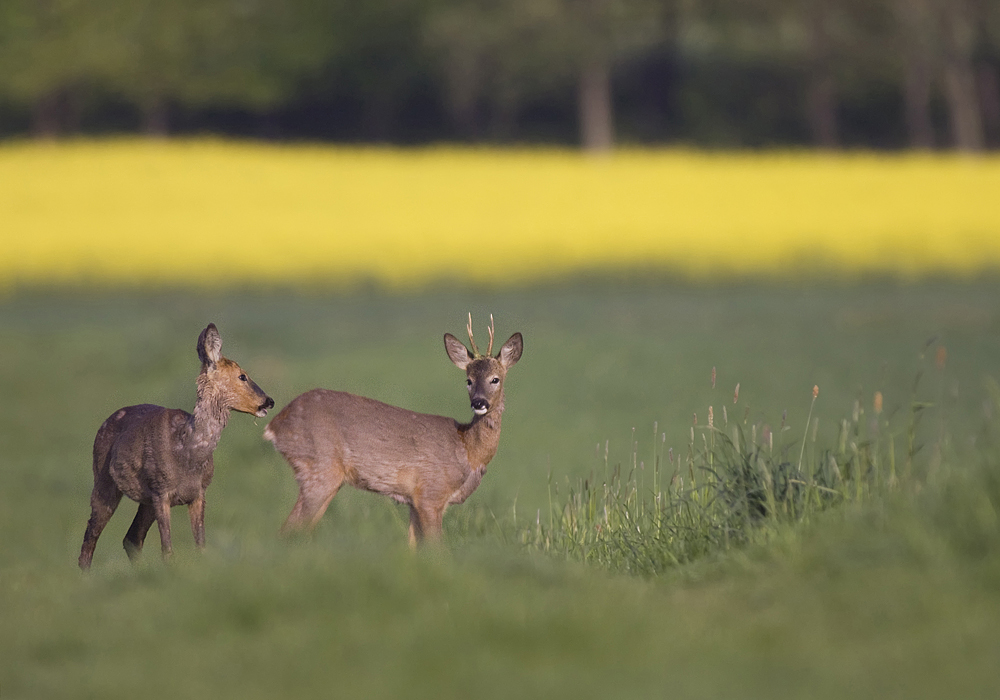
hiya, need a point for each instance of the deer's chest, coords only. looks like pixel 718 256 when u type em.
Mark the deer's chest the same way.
pixel 469 486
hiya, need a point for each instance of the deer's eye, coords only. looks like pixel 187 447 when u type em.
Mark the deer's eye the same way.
pixel 243 377
pixel 495 380
pixel 468 382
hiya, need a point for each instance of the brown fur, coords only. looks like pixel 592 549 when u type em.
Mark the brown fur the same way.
pixel 427 462
pixel 162 457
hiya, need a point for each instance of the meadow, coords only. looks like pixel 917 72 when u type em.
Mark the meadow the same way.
pixel 752 448
pixel 894 593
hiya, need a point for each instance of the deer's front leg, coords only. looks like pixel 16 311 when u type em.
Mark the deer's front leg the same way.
pixel 425 524
pixel 431 519
pixel 197 512
pixel 416 531
pixel 162 508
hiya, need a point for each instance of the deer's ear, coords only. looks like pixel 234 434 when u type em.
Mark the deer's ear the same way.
pixel 457 352
pixel 210 345
pixel 511 351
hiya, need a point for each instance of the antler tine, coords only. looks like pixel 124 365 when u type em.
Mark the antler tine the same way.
pixel 472 340
pixel 489 352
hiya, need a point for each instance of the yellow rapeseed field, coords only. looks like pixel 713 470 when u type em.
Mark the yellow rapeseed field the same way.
pixel 211 213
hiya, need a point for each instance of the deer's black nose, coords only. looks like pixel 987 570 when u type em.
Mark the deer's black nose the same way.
pixel 269 403
pixel 480 405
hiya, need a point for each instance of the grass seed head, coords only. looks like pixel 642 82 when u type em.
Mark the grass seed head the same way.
pixel 941 357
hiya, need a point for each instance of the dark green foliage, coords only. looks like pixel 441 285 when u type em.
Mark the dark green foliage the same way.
pixel 707 73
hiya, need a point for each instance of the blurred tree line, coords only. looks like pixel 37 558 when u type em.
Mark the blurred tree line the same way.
pixel 832 73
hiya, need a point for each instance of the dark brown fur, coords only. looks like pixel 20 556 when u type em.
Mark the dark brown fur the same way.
pixel 425 461
pixel 162 457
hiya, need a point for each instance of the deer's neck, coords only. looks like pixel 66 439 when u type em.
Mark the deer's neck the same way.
pixel 482 436
pixel 210 416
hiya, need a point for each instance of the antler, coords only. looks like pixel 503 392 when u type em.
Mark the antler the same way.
pixel 475 350
pixel 468 327
pixel 489 351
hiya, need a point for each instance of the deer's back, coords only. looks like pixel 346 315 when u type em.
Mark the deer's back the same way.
pixel 141 448
pixel 381 447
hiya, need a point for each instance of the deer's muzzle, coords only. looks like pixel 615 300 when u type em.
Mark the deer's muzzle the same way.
pixel 262 410
pixel 480 406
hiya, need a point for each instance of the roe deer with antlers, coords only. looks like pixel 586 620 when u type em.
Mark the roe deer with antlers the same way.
pixel 427 462
pixel 162 457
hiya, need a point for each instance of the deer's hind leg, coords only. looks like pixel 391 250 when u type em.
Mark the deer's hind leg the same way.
pixel 103 502
pixel 318 484
pixel 136 535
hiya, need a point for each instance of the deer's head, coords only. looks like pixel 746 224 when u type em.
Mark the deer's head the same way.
pixel 484 373
pixel 230 384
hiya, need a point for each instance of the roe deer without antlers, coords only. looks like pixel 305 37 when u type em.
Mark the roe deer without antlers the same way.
pixel 427 462
pixel 162 457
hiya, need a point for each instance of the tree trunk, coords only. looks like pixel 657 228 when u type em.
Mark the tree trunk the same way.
pixel 963 106
pixel 505 106
pixel 822 111
pixel 156 117
pixel 268 127
pixel 596 111
pixel 821 93
pixel 379 116
pixel 960 78
pixel 917 98
pixel 45 116
pixel 913 18
pixel 464 85
pixel 989 97
pixel 503 118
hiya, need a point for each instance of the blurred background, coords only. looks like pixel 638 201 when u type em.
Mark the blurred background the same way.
pixel 877 74
pixel 783 281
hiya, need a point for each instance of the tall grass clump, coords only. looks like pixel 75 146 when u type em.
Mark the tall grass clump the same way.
pixel 735 482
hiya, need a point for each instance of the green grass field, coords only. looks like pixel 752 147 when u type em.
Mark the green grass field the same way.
pixel 895 595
